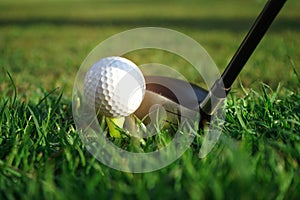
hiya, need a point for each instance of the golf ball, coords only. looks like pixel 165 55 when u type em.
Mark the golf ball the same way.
pixel 114 86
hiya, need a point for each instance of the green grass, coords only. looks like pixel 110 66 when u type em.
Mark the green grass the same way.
pixel 38 37
pixel 256 157
pixel 42 45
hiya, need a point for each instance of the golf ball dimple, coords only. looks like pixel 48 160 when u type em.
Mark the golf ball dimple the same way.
pixel 115 86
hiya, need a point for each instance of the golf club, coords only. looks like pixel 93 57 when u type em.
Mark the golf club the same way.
pixel 159 89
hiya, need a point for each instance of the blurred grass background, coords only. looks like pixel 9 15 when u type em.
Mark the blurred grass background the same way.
pixel 42 43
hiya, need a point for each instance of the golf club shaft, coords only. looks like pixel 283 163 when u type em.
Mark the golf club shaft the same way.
pixel 222 86
pixel 251 41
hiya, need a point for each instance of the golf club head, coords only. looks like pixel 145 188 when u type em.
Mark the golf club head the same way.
pixel 172 98
pixel 192 95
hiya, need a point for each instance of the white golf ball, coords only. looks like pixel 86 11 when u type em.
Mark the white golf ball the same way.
pixel 115 86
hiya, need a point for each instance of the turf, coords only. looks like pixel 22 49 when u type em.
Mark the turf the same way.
pixel 42 45
pixel 38 37
pixel 256 157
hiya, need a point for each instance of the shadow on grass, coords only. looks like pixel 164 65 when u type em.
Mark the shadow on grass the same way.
pixel 210 23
